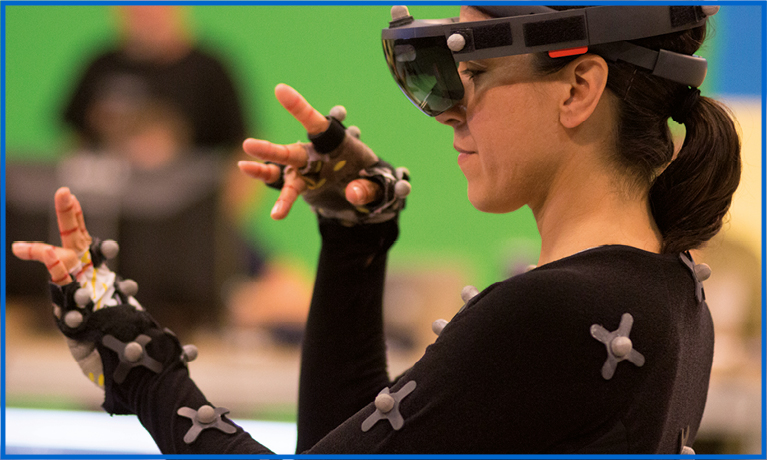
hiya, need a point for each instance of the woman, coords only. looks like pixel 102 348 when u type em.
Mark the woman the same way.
pixel 605 347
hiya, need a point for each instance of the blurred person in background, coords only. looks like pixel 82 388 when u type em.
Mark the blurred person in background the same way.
pixel 157 60
pixel 167 107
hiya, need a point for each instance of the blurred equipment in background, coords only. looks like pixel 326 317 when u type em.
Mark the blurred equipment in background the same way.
pixel 732 419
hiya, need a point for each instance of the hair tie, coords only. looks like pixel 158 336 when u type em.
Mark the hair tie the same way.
pixel 685 104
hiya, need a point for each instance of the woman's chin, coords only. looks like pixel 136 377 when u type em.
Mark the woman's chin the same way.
pixel 490 204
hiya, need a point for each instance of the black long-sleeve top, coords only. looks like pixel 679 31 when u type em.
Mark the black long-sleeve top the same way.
pixel 516 371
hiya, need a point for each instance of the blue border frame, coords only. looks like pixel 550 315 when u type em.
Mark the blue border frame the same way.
pixel 3 255
pixel 764 239
pixel 2 229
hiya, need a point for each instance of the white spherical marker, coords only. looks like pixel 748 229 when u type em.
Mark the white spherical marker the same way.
pixel 384 403
pixel 456 42
pixel 621 346
pixel 206 414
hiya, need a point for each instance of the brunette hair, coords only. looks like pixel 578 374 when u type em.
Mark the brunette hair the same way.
pixel 691 196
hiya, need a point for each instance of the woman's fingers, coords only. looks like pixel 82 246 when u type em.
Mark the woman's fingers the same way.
pixel 71 226
pixel 290 192
pixel 74 239
pixel 57 269
pixel 266 173
pixel 290 155
pixel 29 250
pixel 81 222
pixel 360 192
pixel 59 263
pixel 313 121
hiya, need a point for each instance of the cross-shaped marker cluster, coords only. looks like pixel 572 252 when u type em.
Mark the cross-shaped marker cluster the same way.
pixel 619 346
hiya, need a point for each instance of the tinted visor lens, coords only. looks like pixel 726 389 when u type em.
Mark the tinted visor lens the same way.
pixel 426 72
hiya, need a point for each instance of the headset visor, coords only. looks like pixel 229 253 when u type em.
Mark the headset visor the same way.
pixel 425 67
pixel 425 70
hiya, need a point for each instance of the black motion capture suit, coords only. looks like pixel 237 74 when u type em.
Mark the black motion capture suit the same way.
pixel 532 364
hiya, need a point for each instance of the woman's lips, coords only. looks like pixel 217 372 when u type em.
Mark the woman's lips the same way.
pixel 463 154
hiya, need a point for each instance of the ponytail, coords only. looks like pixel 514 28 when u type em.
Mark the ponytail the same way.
pixel 691 196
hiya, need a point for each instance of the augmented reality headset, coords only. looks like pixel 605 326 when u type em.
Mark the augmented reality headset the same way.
pixel 423 55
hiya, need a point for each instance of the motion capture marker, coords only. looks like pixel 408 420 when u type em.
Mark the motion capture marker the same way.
pixel 110 248
pixel 702 272
pixel 710 10
pixel 204 418
pixel 468 293
pixel 402 173
pixel 697 273
pixel 456 42
pixel 619 346
pixel 128 287
pixel 530 268
pixel 206 414
pixel 384 402
pixel 131 354
pixel 438 325
pixel 354 131
pixel 189 354
pixel 82 297
pixel 684 436
pixel 56 311
pixel 402 188
pixel 73 319
pixel 387 407
pixel 399 12
pixel 338 112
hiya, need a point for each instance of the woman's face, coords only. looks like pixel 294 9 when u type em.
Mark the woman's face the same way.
pixel 506 130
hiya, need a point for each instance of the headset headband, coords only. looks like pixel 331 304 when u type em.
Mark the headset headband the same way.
pixel 604 30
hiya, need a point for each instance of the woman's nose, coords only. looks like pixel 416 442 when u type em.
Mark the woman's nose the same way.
pixel 453 116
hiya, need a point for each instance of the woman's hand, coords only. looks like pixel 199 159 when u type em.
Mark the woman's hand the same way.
pixel 358 192
pixel 75 241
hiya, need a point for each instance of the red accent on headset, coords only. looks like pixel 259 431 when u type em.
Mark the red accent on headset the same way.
pixel 569 52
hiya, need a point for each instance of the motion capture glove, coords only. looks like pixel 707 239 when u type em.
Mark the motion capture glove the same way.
pixel 336 157
pixel 108 332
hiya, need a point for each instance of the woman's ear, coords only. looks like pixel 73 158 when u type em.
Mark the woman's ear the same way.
pixel 586 79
